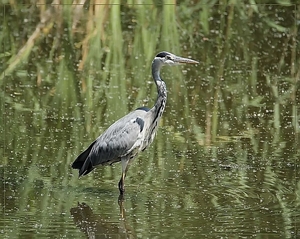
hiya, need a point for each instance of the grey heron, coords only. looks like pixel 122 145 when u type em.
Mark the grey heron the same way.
pixel 134 132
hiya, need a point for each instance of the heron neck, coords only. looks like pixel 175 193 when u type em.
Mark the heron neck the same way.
pixel 160 84
pixel 158 108
pixel 160 103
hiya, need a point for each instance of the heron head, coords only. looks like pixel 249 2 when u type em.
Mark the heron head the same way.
pixel 167 58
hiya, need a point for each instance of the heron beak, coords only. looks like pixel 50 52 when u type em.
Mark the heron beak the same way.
pixel 179 60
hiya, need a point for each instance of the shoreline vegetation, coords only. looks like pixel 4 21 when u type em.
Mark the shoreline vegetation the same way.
pixel 76 54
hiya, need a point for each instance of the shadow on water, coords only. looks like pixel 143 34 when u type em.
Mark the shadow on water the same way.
pixel 95 225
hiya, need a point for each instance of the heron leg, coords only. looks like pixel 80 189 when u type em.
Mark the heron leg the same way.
pixel 122 184
pixel 124 162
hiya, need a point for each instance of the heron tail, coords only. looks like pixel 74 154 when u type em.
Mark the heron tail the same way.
pixel 83 163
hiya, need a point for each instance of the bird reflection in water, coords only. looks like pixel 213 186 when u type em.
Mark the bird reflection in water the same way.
pixel 95 226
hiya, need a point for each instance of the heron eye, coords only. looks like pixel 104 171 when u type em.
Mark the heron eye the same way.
pixel 168 57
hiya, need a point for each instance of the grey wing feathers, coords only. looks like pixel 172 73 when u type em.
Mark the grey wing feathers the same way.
pixel 121 139
pixel 116 142
pixel 78 163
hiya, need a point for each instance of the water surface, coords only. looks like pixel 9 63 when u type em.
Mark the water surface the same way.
pixel 225 162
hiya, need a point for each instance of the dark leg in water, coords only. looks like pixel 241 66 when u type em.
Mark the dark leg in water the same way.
pixel 122 184
pixel 125 167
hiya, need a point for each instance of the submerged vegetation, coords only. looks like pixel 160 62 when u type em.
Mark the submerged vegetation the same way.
pixel 69 70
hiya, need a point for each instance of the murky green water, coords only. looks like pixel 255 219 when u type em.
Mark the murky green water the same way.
pixel 225 162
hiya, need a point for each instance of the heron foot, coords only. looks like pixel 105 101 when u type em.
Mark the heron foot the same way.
pixel 121 199
pixel 121 205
